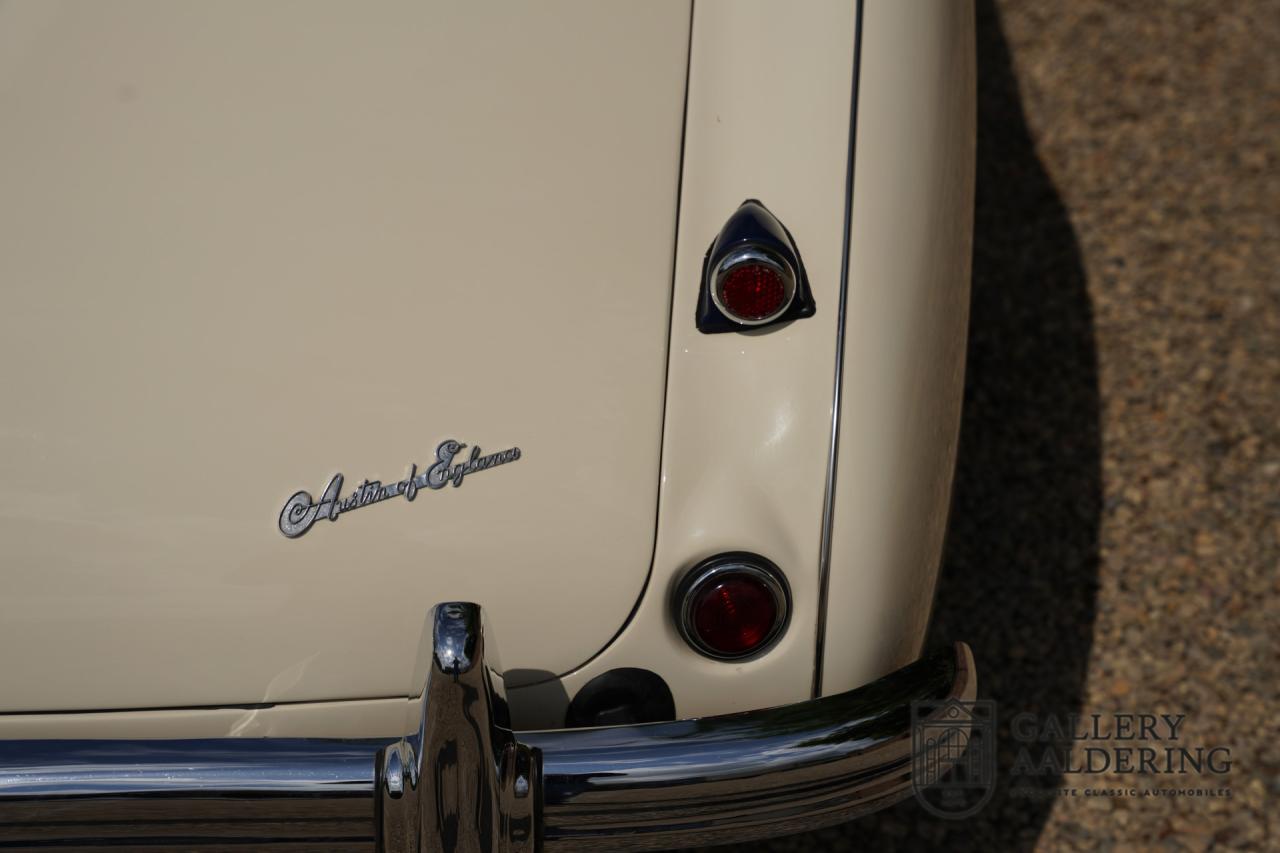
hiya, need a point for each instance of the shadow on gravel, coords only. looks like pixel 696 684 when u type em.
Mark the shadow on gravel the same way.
pixel 1019 572
pixel 1019 575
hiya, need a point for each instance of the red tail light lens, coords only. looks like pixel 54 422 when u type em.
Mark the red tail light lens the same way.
pixel 753 286
pixel 734 615
pixel 733 606
pixel 753 291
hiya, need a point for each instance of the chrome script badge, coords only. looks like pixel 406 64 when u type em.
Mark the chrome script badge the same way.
pixel 301 511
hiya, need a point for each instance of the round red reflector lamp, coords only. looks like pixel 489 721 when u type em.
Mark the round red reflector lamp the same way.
pixel 752 291
pixel 733 606
pixel 753 286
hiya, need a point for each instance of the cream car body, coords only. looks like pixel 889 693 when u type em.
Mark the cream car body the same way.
pixel 247 248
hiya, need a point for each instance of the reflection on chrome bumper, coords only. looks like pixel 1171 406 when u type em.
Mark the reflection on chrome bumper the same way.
pixel 465 781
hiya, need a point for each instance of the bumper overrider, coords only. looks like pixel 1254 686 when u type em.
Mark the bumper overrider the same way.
pixel 465 781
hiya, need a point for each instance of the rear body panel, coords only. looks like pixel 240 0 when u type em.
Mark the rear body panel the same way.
pixel 246 249
pixel 330 315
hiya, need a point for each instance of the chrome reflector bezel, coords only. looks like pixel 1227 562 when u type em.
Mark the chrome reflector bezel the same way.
pixel 752 254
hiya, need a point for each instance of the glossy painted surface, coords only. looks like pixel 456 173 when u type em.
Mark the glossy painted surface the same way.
pixel 905 335
pixel 748 416
pixel 357 718
pixel 245 248
pixel 747 423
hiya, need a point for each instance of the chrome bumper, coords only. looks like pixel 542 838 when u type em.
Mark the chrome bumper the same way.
pixel 464 781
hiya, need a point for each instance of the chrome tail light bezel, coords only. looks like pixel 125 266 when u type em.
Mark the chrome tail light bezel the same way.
pixel 717 568
pixel 753 253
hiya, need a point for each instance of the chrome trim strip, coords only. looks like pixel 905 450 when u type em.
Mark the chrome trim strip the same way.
pixel 829 499
pixel 463 780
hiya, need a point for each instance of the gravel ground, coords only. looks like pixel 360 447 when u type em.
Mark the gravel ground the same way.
pixel 1115 536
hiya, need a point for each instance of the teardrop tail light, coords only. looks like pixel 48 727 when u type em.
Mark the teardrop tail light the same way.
pixel 752 275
